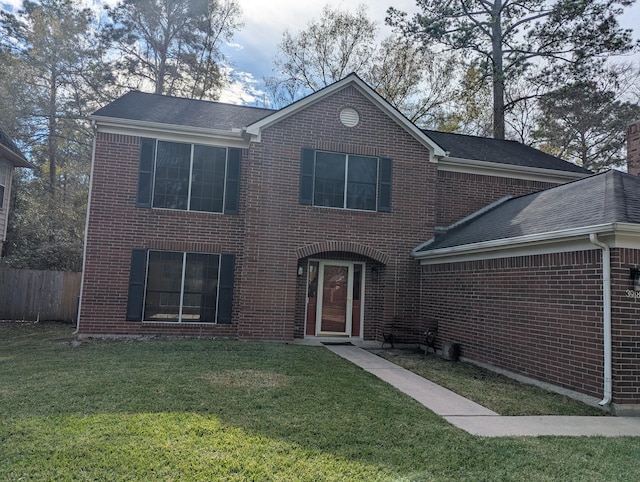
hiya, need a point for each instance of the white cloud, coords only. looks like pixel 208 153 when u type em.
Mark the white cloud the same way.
pixel 265 22
pixel 243 89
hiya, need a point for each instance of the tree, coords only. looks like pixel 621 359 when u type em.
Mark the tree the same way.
pixel 416 81
pixel 585 122
pixel 329 49
pixel 52 51
pixel 413 79
pixel 507 36
pixel 172 45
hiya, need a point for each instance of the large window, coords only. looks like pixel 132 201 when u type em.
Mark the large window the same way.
pixel 345 181
pixel 180 287
pixel 190 177
pixel 4 181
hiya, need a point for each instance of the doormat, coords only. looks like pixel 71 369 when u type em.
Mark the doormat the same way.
pixel 337 343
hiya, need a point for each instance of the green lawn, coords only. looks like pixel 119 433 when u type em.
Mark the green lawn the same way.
pixel 223 410
pixel 494 391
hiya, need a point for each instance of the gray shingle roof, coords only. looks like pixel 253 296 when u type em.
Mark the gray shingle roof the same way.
pixel 162 109
pixel 18 159
pixel 500 151
pixel 610 197
pixel 8 143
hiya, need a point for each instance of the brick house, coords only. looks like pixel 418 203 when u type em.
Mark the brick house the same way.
pixel 546 285
pixel 209 219
pixel 10 157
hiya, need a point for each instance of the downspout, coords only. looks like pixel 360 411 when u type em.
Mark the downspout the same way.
pixel 86 224
pixel 606 314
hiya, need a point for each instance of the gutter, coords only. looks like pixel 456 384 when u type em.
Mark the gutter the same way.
pixel 606 308
pixel 86 226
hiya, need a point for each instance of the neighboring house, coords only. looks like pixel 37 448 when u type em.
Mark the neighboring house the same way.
pixel 10 157
pixel 208 219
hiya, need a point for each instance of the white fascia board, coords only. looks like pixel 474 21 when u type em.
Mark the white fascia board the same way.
pixel 171 132
pixel 256 128
pixel 16 159
pixel 453 164
pixel 616 235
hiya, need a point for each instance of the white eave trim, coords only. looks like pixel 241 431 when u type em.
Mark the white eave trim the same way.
pixel 16 159
pixel 172 132
pixel 454 164
pixel 617 235
pixel 256 128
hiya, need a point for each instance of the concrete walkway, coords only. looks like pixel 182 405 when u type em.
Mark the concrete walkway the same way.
pixel 476 419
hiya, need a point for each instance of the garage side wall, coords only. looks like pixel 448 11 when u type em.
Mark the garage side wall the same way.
pixel 625 314
pixel 538 316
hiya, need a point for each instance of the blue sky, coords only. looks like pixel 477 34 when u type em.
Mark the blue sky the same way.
pixel 266 20
pixel 253 48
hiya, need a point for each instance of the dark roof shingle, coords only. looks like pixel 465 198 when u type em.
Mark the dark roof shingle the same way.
pixel 496 150
pixel 610 197
pixel 177 111
pixel 162 109
pixel 16 156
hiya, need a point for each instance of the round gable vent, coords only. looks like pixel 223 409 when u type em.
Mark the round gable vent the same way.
pixel 349 117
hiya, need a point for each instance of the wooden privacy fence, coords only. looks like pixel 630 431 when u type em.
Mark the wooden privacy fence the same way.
pixel 31 295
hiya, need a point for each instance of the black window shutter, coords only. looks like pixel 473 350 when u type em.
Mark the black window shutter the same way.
pixel 232 187
pixel 145 172
pixel 135 300
pixel 306 176
pixel 384 185
pixel 225 291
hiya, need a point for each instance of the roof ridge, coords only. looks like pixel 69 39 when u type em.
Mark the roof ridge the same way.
pixel 166 96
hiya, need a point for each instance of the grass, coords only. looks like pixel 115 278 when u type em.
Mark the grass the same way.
pixel 222 410
pixel 494 391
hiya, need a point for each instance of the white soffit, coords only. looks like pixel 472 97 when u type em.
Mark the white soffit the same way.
pixel 16 159
pixel 497 169
pixel 170 132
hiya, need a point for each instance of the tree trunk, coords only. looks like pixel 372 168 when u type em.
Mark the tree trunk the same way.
pixel 497 73
pixel 52 140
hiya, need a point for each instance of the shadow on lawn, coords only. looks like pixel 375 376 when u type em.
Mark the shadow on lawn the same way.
pixel 198 403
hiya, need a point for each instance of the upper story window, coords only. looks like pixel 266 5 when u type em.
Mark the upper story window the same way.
pixel 189 177
pixel 4 181
pixel 345 181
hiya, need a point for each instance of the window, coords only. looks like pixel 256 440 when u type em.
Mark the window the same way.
pixel 180 287
pixel 189 177
pixel 345 181
pixel 4 181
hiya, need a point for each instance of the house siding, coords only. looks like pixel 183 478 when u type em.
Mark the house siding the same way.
pixel 540 316
pixel 4 211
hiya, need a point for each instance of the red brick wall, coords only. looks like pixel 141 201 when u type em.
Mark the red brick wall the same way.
pixel 270 229
pixel 539 316
pixel 633 149
pixel 116 226
pixel 625 327
pixel 277 225
pixel 461 194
